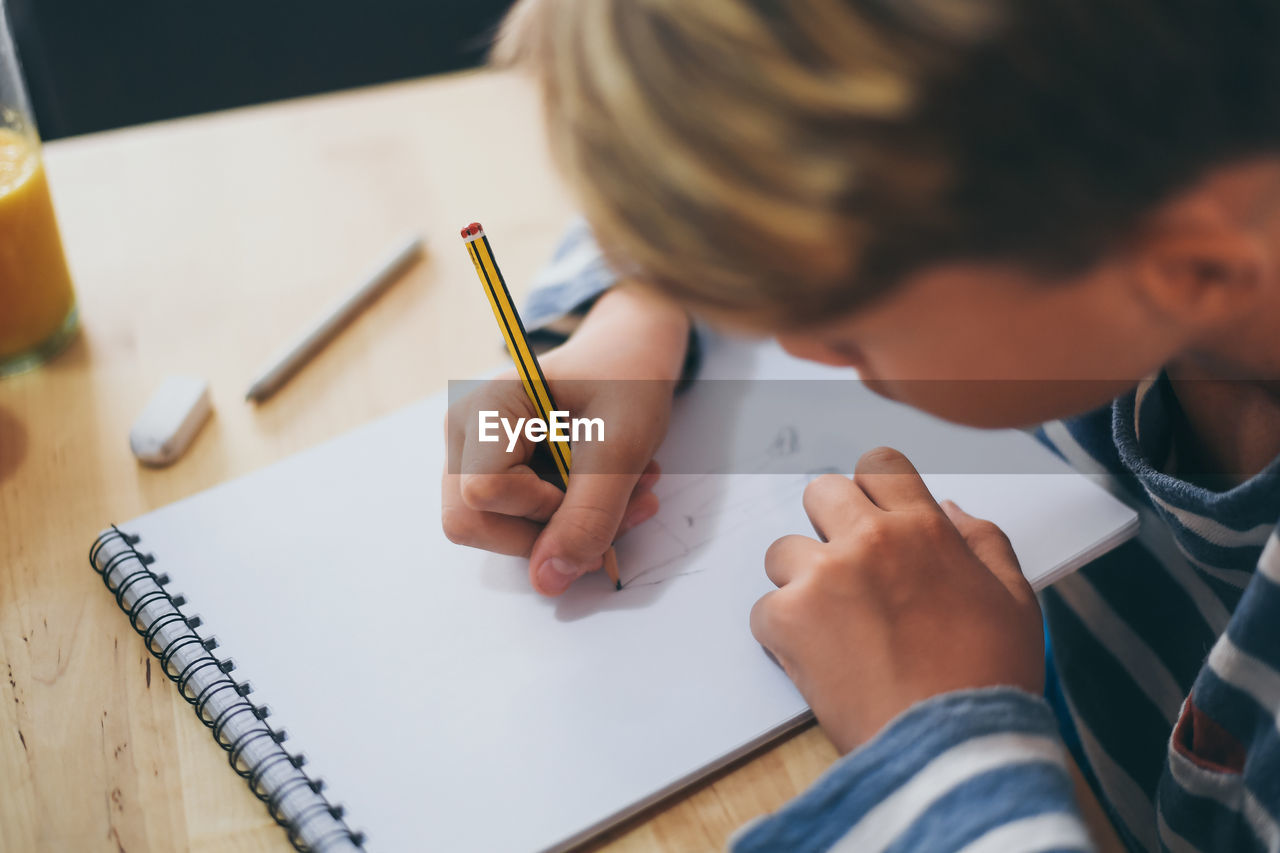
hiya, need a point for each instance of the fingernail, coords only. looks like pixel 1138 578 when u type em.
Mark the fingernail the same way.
pixel 555 575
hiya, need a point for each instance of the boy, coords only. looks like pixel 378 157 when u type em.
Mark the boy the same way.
pixel 1078 193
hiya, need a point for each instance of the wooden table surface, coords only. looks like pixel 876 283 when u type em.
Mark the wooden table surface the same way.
pixel 199 246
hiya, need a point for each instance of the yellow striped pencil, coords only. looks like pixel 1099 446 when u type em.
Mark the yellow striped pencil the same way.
pixel 535 383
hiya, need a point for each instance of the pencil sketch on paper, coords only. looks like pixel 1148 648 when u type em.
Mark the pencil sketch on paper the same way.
pixel 696 508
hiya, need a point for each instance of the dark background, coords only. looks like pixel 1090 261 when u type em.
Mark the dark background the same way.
pixel 92 65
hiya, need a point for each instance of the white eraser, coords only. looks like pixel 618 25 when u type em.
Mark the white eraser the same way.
pixel 173 416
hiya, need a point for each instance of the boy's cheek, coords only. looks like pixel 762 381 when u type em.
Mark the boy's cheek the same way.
pixel 999 403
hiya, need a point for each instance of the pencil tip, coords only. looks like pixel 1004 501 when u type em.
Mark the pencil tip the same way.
pixel 617 584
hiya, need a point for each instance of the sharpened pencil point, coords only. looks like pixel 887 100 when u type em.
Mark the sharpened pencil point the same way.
pixel 611 567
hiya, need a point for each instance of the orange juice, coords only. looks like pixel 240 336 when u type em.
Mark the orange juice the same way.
pixel 36 300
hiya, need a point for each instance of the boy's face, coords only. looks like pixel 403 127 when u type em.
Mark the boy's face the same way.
pixel 996 347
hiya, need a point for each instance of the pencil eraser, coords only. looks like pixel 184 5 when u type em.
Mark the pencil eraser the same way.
pixel 171 419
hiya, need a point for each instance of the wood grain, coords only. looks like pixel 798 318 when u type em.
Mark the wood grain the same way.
pixel 200 245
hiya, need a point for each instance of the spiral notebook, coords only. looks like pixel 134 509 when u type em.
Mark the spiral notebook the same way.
pixel 422 697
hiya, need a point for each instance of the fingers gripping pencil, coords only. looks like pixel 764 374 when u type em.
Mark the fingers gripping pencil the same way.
pixel 531 376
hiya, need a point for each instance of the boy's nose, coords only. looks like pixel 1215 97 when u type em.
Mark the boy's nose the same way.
pixel 811 349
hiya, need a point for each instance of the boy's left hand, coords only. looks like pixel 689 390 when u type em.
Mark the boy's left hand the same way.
pixel 902 599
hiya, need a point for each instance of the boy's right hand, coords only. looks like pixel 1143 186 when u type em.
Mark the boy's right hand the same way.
pixel 493 499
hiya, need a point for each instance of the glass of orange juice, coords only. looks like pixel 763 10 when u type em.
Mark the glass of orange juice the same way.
pixel 37 302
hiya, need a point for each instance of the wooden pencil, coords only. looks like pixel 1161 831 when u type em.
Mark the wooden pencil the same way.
pixel 531 376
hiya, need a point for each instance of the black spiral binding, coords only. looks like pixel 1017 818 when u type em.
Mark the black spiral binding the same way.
pixel 220 686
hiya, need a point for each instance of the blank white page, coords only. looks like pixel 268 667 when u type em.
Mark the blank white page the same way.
pixel 449 707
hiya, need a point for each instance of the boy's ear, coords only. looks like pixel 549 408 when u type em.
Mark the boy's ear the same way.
pixel 1202 268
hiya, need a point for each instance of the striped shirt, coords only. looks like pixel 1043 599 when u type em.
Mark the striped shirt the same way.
pixel 1167 649
pixel 1164 678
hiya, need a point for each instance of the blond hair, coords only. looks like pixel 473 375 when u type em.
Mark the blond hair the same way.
pixel 794 157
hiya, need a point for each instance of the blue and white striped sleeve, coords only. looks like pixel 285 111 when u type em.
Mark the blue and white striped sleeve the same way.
pixel 567 286
pixel 973 771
